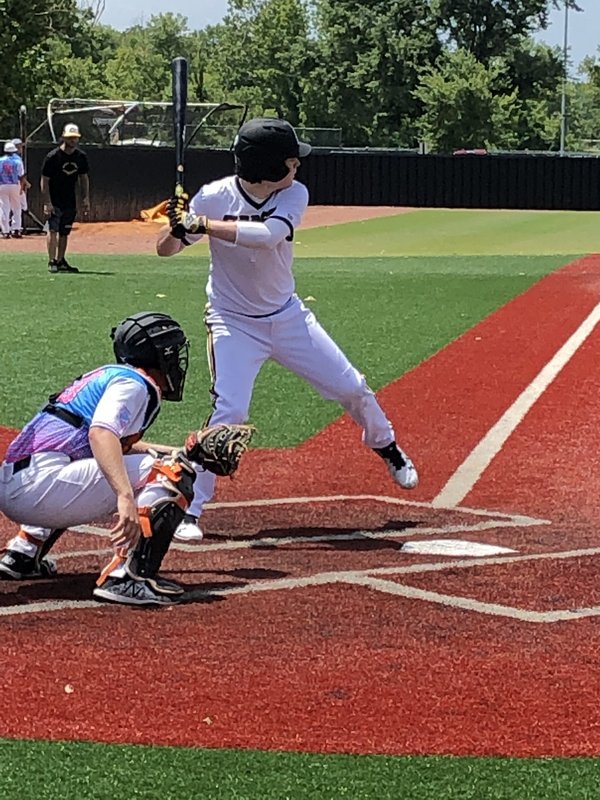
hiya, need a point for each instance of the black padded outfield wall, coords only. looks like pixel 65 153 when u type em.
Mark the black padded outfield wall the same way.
pixel 125 180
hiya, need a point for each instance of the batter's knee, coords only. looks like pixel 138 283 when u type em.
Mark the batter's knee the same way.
pixel 352 389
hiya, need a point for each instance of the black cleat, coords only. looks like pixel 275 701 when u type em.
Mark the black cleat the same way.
pixel 19 567
pixel 132 592
pixel 399 465
pixel 64 266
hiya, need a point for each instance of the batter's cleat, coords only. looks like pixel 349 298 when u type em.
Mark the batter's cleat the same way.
pixel 399 465
pixel 53 266
pixel 17 235
pixel 17 566
pixel 64 266
pixel 188 530
pixel 132 592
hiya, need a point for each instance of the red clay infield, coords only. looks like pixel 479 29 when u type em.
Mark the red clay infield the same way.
pixel 308 627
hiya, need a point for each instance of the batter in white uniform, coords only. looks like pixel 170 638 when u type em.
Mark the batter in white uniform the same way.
pixel 81 458
pixel 253 312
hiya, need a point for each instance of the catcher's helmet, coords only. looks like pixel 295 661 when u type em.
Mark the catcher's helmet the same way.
pixel 262 146
pixel 153 340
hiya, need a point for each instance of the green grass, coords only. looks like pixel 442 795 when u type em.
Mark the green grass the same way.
pixel 447 232
pixel 388 314
pixel 66 770
pixel 391 293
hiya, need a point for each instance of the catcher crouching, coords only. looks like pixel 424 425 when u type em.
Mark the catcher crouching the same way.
pixel 82 458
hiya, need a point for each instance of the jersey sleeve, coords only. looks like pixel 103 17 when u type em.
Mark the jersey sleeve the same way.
pixel 48 167
pixel 200 202
pixel 291 207
pixel 122 407
pixel 83 164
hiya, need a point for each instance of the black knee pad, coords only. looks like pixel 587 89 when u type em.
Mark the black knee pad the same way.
pixel 160 521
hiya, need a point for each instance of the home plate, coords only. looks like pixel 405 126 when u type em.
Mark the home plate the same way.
pixel 453 547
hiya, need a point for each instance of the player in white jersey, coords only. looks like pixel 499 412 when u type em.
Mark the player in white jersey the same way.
pixel 81 458
pixel 12 183
pixel 16 231
pixel 253 312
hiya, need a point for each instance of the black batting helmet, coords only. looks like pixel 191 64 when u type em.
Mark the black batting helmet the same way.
pixel 262 146
pixel 152 340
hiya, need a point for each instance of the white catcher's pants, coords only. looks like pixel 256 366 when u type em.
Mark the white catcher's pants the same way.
pixel 238 346
pixel 54 492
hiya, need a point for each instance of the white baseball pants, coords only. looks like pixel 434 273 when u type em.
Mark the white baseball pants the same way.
pixel 238 346
pixel 10 200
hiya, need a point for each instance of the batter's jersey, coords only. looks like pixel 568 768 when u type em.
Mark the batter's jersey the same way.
pixel 116 397
pixel 247 280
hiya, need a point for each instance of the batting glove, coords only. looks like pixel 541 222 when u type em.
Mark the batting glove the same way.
pixel 182 221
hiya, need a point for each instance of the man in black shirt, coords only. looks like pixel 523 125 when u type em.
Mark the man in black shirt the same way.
pixel 62 169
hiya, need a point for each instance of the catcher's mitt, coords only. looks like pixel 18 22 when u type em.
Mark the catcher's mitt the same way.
pixel 219 448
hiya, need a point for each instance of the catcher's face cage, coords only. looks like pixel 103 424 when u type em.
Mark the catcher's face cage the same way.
pixel 155 341
pixel 175 366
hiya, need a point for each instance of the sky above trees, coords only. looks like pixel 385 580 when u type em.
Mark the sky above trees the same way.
pixel 584 27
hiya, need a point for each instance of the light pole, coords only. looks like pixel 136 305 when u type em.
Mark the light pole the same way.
pixel 563 99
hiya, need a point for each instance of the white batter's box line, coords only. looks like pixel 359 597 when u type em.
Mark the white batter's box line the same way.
pixel 519 519
pixel 367 578
pixel 240 543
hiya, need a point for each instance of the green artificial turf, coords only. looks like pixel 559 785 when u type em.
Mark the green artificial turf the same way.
pixel 388 314
pixel 457 232
pixel 84 771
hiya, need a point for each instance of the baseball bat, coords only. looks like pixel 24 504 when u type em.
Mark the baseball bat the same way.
pixel 179 73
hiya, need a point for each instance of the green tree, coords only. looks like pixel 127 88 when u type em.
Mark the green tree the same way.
pixel 23 27
pixel 137 70
pixel 486 28
pixel 367 63
pixel 259 54
pixel 463 108
pixel 583 130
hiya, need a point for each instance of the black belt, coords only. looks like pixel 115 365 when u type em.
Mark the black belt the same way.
pixel 22 463
pixel 271 313
pixel 66 416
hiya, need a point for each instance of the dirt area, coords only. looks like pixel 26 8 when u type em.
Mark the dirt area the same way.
pixel 139 237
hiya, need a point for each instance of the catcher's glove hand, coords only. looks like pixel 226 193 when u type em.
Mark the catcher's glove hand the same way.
pixel 181 220
pixel 219 448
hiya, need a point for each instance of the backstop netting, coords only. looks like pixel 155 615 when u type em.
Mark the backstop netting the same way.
pixel 135 122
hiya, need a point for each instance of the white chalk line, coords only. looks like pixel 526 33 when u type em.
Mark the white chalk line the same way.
pixel 282 541
pixel 337 498
pixel 369 579
pixel 462 481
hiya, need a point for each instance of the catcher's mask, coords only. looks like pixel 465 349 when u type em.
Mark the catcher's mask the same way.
pixel 152 340
pixel 261 148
